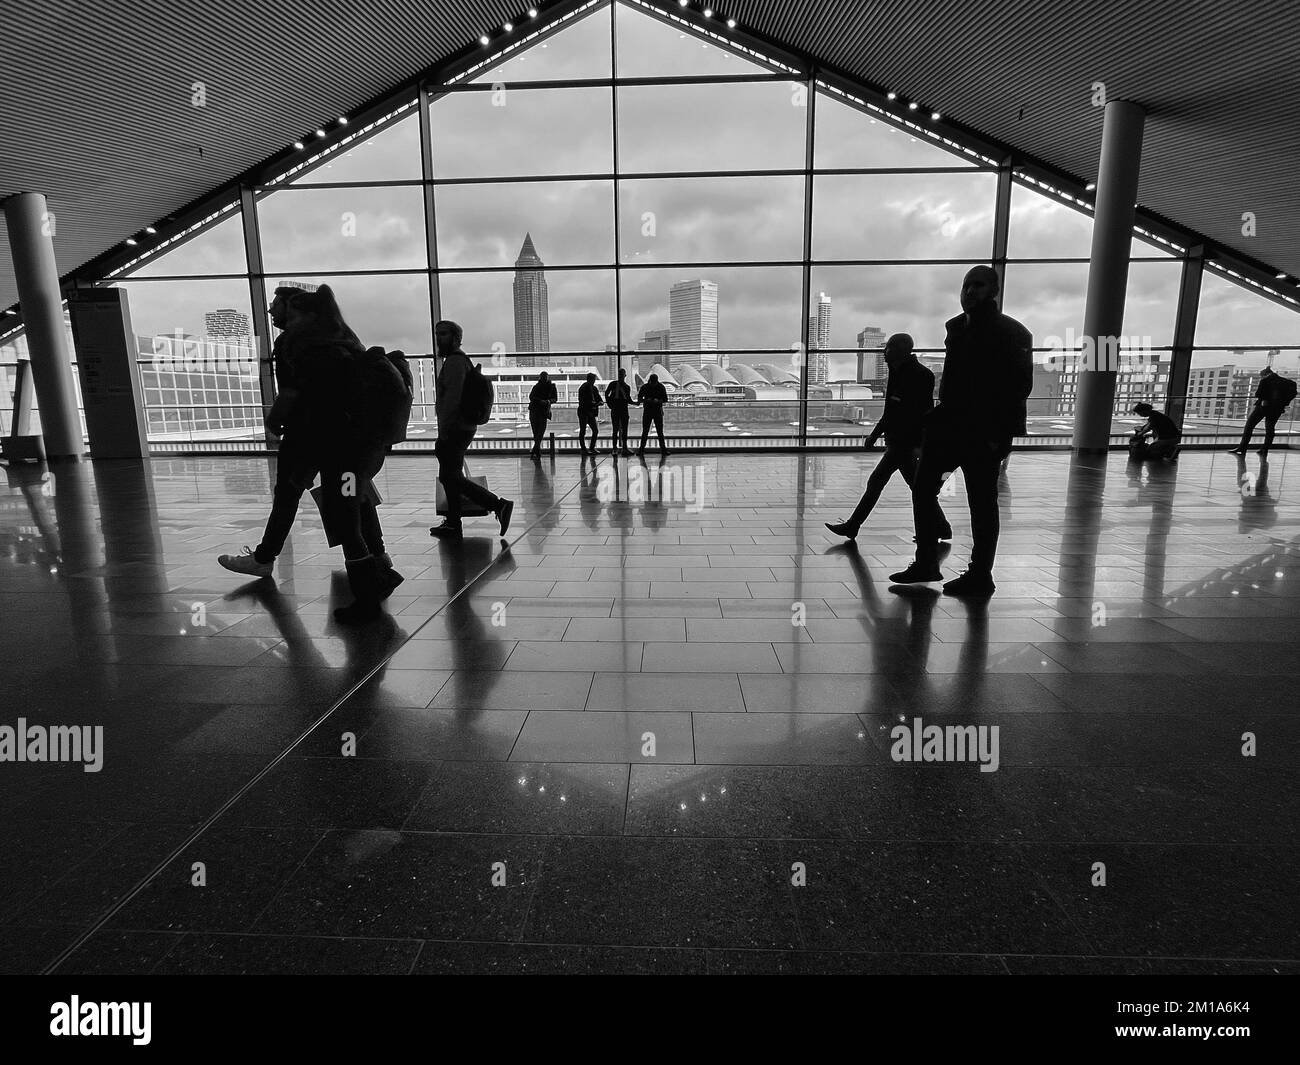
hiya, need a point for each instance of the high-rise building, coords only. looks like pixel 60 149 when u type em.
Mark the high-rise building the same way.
pixel 226 322
pixel 819 338
pixel 871 354
pixel 532 312
pixel 693 318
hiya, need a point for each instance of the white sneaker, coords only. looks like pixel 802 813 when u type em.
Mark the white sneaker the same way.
pixel 246 564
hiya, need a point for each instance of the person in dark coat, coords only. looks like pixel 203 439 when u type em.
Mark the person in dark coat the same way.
pixel 1272 397
pixel 540 400
pixel 1156 438
pixel 455 434
pixel 651 397
pixel 909 397
pixel 589 404
pixel 618 397
pixel 988 373
pixel 303 332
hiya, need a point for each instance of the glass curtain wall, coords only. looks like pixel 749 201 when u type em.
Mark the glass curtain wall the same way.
pixel 624 191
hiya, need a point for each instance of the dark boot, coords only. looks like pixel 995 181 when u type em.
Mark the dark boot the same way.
pixel 389 578
pixel 363 577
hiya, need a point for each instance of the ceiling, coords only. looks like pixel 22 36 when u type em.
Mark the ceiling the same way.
pixel 97 111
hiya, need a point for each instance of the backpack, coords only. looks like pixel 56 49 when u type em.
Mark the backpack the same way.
pixel 476 396
pixel 386 387
pixel 1286 390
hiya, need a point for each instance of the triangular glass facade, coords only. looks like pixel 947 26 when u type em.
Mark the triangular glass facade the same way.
pixel 670 217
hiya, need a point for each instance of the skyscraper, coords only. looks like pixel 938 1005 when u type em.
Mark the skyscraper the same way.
pixel 226 322
pixel 819 338
pixel 532 313
pixel 871 354
pixel 693 318
pixel 656 340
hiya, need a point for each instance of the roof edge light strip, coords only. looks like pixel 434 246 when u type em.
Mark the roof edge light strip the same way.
pixel 1220 268
pixel 721 38
pixel 171 242
pixel 362 133
pixel 523 43
pixel 898 120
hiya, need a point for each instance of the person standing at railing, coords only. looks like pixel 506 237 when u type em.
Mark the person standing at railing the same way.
pixel 540 400
pixel 1272 397
pixel 297 462
pixel 618 397
pixel 651 397
pixel 589 404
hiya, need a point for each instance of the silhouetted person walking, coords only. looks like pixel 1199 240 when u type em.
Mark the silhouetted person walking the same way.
pixel 652 396
pixel 456 431
pixel 909 397
pixel 589 404
pixel 1272 397
pixel 1157 438
pixel 618 397
pixel 988 373
pixel 540 401
pixel 304 333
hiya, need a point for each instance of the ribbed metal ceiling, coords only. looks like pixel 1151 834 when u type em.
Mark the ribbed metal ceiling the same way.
pixel 95 104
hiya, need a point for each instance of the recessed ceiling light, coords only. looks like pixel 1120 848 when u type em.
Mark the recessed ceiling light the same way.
pixel 708 12
pixel 731 23
pixel 912 106
pixel 508 27
pixel 150 229
pixel 891 96
pixel 484 40
pixel 1280 277
pixel 320 133
pixel 131 241
pixel 934 116
pixel 1090 186
pixel 343 120
pixel 299 145
pixel 532 12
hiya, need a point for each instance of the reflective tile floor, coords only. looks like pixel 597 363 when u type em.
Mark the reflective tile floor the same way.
pixel 654 728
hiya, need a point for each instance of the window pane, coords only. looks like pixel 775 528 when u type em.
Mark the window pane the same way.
pixel 574 311
pixel 903 216
pixel 392 153
pixel 729 309
pixel 343 229
pixel 711 219
pixel 740 126
pixel 649 47
pixel 893 299
pixel 579 49
pixel 388 310
pixel 1049 298
pixel 1043 227
pixel 847 137
pixel 219 249
pixel 570 222
pixel 1234 316
pixel 523 133
pixel 1221 393
pixel 207 312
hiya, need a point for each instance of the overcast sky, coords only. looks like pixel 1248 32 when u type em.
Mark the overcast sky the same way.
pixel 521 133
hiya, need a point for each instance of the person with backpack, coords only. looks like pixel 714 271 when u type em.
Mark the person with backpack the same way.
pixel 652 396
pixel 540 400
pixel 356 403
pixel 464 402
pixel 1272 398
pixel 589 404
pixel 618 397
pixel 310 322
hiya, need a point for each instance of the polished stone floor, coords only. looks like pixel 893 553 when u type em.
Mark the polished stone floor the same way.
pixel 651 729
